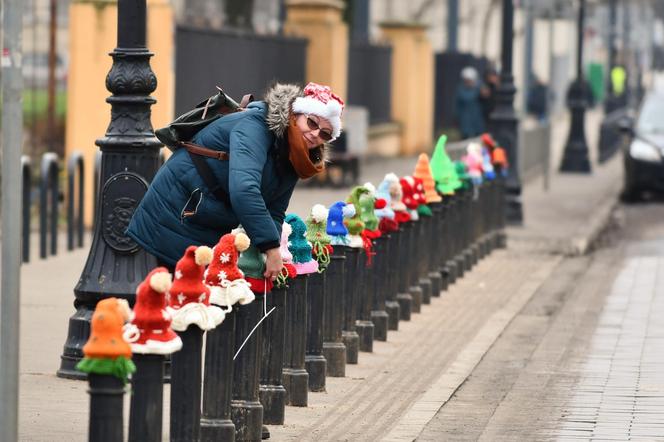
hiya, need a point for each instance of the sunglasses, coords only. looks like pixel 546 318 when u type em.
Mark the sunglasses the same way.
pixel 324 134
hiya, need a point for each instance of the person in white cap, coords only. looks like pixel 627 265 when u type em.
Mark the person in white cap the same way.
pixel 258 156
pixel 468 106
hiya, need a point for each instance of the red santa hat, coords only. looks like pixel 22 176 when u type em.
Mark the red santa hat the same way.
pixel 224 259
pixel 224 277
pixel 319 100
pixel 189 297
pixel 150 329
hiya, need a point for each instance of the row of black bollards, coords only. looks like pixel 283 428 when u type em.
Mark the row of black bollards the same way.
pixel 254 357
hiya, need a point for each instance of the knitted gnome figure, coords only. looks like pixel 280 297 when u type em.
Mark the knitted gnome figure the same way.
pixel 288 271
pixel 499 160
pixel 107 352
pixel 224 277
pixel 411 198
pixel 401 214
pixel 300 247
pixel 317 235
pixel 367 212
pixel 423 172
pixel 189 297
pixel 252 264
pixel 385 214
pixel 473 160
pixel 462 173
pixel 487 167
pixel 354 224
pixel 420 196
pixel 336 227
pixel 443 169
pixel 150 329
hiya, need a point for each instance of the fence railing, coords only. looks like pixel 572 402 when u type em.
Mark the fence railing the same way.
pixel 51 197
pixel 370 79
pixel 334 315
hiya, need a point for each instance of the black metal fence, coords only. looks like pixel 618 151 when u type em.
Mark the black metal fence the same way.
pixel 370 79
pixel 241 63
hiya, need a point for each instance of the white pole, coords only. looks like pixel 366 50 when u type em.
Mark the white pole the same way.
pixel 12 142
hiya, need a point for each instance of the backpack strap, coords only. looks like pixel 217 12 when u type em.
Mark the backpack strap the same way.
pixel 204 170
pixel 246 99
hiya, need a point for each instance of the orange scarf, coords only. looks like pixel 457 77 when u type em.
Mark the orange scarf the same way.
pixel 298 153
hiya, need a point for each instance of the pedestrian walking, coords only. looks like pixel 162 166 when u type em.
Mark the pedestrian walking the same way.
pixel 468 107
pixel 259 155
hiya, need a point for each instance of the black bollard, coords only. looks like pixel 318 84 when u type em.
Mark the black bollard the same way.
pixel 349 334
pixel 216 423
pixel 186 387
pixel 314 361
pixel 433 241
pixel 450 272
pixel 363 325
pixel 404 298
pixel 392 307
pixel 334 349
pixel 106 393
pixel 379 276
pixel 246 409
pixel 423 247
pixel 412 267
pixel 272 392
pixel 460 230
pixel 147 394
pixel 296 378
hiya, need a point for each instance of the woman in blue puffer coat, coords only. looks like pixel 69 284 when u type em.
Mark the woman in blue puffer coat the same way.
pixel 269 146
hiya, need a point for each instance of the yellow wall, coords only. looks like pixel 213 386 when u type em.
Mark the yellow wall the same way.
pixel 327 52
pixel 93 29
pixel 412 85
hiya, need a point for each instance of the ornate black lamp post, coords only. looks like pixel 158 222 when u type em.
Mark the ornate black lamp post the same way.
pixel 575 157
pixel 129 161
pixel 503 120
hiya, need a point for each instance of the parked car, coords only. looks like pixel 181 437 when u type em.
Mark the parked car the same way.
pixel 644 153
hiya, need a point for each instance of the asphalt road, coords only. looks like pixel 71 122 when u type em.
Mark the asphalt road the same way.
pixel 583 359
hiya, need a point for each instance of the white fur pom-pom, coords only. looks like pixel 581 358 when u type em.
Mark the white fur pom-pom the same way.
pixel 319 213
pixel 203 255
pixel 348 211
pixel 242 242
pixel 286 229
pixel 391 178
pixel 370 187
pixel 161 282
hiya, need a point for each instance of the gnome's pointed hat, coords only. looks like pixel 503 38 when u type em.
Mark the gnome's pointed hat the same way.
pixel 152 333
pixel 226 280
pixel 423 172
pixel 443 169
pixel 225 257
pixel 106 351
pixel 299 246
pixel 189 297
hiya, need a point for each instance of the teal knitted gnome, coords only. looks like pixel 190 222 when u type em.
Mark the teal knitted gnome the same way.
pixel 299 246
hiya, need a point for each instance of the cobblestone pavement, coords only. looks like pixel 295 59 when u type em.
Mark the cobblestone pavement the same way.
pixel 583 360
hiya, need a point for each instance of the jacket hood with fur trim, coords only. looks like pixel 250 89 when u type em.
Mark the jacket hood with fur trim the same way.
pixel 279 99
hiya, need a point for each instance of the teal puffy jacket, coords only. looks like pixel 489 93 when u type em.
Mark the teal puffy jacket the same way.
pixel 178 210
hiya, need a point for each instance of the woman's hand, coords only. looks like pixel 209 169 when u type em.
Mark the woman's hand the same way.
pixel 273 263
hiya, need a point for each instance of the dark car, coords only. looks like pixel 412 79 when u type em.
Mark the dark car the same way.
pixel 644 154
